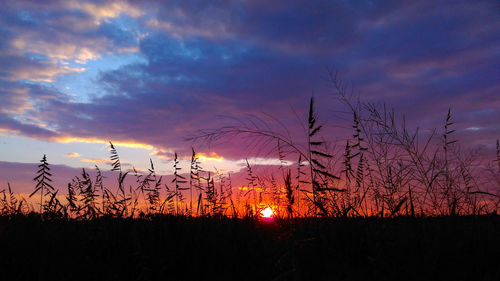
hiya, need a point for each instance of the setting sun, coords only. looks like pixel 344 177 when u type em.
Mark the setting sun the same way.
pixel 267 212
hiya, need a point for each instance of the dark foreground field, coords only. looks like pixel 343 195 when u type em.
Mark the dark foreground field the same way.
pixel 177 248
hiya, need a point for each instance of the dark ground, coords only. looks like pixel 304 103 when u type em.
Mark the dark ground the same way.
pixel 178 248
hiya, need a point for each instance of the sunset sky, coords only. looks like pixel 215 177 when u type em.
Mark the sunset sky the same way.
pixel 75 74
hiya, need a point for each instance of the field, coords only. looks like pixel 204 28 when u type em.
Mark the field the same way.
pixel 181 248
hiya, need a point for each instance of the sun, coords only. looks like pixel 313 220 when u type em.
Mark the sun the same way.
pixel 267 212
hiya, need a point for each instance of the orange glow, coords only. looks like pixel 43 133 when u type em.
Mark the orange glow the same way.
pixel 10 131
pixel 94 140
pixel 267 212
pixel 212 156
pixel 245 188
pixel 96 160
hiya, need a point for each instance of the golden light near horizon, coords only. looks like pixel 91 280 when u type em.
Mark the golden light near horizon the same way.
pixel 267 212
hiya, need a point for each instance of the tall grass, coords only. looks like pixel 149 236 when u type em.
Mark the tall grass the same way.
pixel 384 169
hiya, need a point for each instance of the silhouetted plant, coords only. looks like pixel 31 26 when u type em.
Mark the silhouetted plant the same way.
pixel 318 171
pixel 9 204
pixel 223 194
pixel 194 180
pixel 210 195
pixel 88 196
pixel 43 180
pixel 152 191
pixel 177 181
pixel 289 193
pixel 168 205
pixel 448 190
pixel 252 180
pixel 120 203
pixel 99 185
pixel 53 208
pixel 72 206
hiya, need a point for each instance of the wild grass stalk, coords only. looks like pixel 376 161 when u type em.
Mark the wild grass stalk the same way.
pixel 43 180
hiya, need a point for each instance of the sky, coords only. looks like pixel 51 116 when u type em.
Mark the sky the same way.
pixel 147 74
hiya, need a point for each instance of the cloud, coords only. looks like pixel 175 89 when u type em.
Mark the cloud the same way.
pixel 18 101
pixel 73 154
pixel 161 153
pixel 96 160
pixel 104 10
pixel 131 144
pixel 43 42
pixel 211 156
pixel 203 61
pixel 38 72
